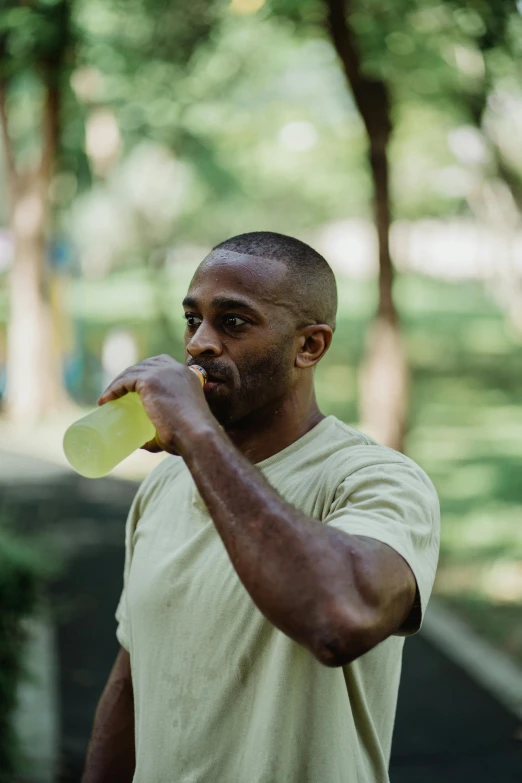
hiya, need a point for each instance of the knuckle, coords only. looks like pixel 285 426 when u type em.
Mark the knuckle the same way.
pixel 151 381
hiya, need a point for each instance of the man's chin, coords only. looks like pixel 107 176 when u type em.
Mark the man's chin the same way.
pixel 220 410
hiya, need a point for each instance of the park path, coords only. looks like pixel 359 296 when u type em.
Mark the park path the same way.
pixel 448 728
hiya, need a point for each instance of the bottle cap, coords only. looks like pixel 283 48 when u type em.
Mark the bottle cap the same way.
pixel 200 372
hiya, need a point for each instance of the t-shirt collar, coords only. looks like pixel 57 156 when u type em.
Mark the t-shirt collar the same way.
pixel 297 445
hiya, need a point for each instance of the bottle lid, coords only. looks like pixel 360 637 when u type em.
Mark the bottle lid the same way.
pixel 200 372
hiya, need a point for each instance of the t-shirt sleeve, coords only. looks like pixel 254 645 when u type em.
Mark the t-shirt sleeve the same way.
pixel 122 630
pixel 395 503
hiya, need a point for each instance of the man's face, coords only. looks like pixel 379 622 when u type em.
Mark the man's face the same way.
pixel 241 330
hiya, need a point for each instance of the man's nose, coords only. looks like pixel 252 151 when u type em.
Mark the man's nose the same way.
pixel 204 342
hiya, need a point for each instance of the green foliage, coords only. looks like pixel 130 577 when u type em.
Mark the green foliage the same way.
pixel 446 62
pixel 21 573
pixel 34 35
pixel 216 91
pixel 140 48
pixel 37 45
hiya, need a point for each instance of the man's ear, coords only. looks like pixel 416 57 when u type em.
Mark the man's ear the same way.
pixel 313 342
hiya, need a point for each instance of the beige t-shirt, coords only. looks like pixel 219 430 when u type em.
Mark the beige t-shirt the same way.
pixel 221 695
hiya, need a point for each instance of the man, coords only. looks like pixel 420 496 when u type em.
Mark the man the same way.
pixel 274 562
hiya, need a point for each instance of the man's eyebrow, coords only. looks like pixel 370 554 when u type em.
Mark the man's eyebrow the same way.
pixel 222 303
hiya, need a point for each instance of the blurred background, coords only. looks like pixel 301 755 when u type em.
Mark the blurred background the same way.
pixel 135 136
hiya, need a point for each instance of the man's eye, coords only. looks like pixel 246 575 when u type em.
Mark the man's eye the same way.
pixel 192 320
pixel 233 320
pixel 230 321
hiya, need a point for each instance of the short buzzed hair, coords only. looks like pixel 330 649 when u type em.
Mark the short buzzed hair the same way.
pixel 312 281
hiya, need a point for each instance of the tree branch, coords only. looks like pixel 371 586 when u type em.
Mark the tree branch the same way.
pixel 51 126
pixel 371 98
pixel 370 95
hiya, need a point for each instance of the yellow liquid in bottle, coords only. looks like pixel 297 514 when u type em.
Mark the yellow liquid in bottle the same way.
pixel 95 444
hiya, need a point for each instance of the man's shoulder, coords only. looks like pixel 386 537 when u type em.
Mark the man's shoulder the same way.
pixel 162 477
pixel 346 451
pixel 348 444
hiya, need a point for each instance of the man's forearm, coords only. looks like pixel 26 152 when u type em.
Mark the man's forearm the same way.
pixel 111 752
pixel 304 577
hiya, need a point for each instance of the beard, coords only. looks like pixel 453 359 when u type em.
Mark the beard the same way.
pixel 258 381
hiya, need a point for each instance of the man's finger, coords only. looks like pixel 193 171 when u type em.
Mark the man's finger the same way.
pixel 121 385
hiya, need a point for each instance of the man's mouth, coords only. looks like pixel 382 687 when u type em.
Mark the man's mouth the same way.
pixel 212 378
pixel 213 382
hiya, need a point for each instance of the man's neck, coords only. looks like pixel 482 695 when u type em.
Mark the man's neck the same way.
pixel 268 432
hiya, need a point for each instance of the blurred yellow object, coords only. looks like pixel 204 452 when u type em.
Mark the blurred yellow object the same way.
pixel 246 6
pixel 95 444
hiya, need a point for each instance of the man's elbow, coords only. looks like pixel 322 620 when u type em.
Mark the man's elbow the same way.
pixel 348 638
pixel 336 653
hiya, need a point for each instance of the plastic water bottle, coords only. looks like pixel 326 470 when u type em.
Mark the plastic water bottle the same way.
pixel 96 443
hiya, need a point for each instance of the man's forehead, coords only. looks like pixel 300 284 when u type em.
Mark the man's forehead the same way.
pixel 261 279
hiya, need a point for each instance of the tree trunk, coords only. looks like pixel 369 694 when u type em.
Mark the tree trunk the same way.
pixel 384 374
pixel 499 205
pixel 384 377
pixel 34 372
pixel 34 382
pixel 383 384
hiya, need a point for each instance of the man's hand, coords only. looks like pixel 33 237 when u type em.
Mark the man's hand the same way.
pixel 171 395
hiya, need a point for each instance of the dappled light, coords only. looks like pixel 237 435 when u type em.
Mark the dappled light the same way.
pixel 246 6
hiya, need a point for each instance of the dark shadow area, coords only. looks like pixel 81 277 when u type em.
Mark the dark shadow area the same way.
pixel 448 729
pixel 82 524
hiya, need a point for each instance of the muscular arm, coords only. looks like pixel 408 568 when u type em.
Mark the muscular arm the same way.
pixel 336 594
pixel 111 755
